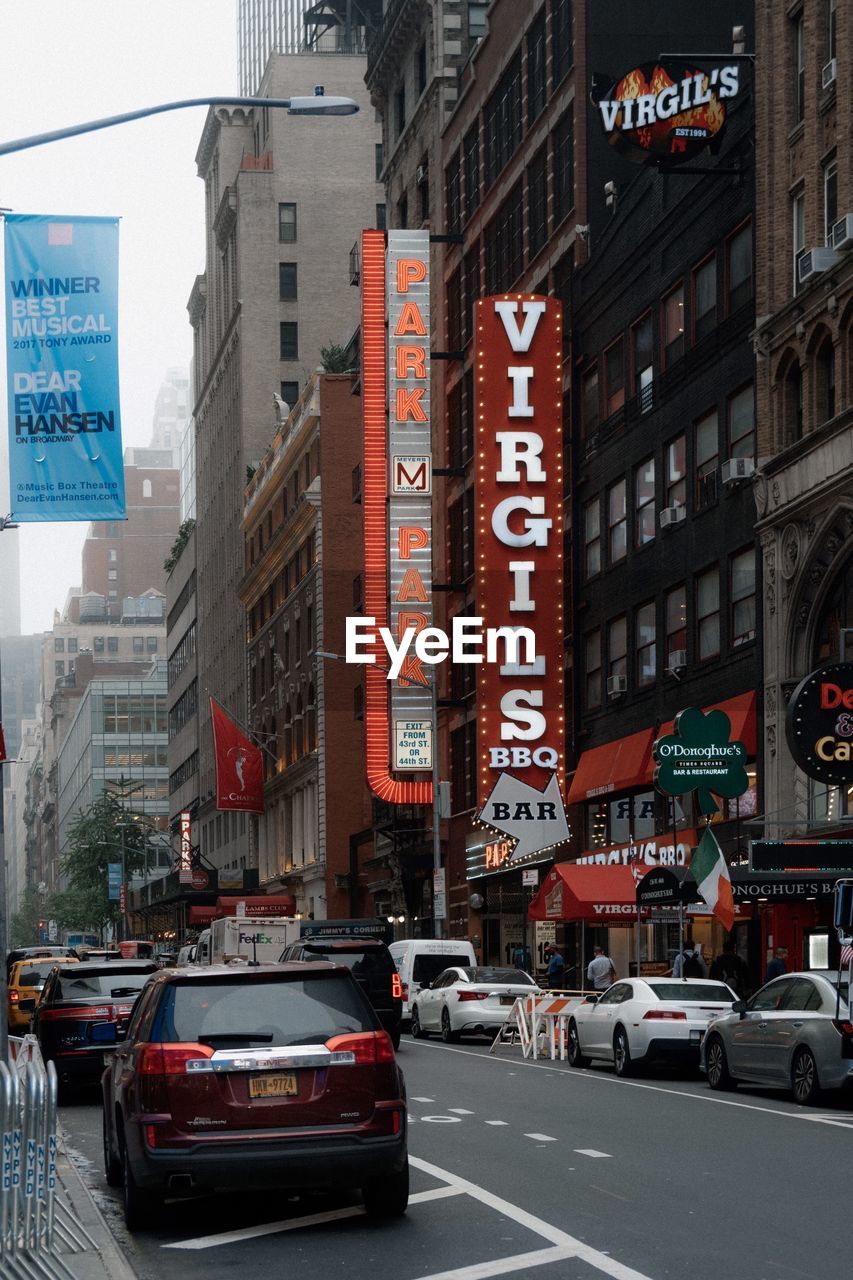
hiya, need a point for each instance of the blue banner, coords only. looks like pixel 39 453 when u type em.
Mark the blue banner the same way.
pixel 62 362
pixel 114 881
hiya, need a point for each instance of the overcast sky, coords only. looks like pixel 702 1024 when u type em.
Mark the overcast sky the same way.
pixel 64 61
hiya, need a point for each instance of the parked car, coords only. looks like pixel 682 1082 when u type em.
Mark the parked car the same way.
pixel 25 985
pixel 419 961
pixel 793 1034
pixel 235 1077
pixel 468 1001
pixel 639 1021
pixel 84 1011
pixel 370 963
pixel 29 953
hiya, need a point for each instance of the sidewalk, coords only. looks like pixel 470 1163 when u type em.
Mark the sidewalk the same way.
pixel 105 1261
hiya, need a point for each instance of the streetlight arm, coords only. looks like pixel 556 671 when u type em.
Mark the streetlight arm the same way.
pixel 315 105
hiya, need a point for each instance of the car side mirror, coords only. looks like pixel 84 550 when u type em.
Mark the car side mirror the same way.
pixel 590 999
pixel 739 1006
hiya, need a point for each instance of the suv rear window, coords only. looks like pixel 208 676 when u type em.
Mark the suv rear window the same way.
pixel 429 965
pixel 86 986
pixel 243 1014
pixel 719 993
pixel 372 962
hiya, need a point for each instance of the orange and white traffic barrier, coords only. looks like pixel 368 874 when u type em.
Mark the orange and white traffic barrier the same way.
pixel 541 1022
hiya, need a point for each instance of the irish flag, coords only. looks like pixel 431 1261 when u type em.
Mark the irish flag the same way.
pixel 711 874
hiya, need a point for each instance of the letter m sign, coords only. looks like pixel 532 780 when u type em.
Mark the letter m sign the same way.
pixel 411 474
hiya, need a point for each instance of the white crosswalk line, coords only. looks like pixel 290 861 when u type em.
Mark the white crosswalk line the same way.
pixel 460 1111
pixel 592 1153
pixel 497 1122
pixel 540 1137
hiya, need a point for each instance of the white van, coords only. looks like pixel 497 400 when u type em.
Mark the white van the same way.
pixel 419 961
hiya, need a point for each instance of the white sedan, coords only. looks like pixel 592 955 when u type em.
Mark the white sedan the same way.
pixel 463 1001
pixel 644 1019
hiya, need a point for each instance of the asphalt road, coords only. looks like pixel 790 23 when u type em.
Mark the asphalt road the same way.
pixel 536 1170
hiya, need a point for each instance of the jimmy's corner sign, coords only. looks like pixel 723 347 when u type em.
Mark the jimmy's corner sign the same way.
pixel 819 724
pixel 698 756
pixel 666 113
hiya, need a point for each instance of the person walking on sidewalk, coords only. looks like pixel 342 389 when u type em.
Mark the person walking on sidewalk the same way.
pixel 556 968
pixel 600 971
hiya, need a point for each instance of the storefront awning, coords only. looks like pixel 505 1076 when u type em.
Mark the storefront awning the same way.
pixel 201 915
pixel 598 895
pixel 614 766
pixel 273 904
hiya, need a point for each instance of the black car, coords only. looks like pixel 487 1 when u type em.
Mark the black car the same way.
pixel 83 1013
pixel 371 965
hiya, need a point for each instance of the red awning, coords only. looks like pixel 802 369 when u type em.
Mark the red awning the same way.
pixel 201 915
pixel 281 904
pixel 604 895
pixel 741 713
pixel 614 766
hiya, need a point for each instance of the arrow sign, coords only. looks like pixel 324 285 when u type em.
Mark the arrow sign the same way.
pixel 536 819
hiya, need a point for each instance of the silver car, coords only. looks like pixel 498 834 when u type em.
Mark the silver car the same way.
pixel 790 1034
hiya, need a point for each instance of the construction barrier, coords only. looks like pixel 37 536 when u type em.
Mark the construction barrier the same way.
pixel 540 1023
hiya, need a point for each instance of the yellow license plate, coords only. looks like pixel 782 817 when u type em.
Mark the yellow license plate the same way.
pixel 277 1086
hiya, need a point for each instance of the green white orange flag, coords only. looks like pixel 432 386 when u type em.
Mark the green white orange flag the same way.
pixel 711 874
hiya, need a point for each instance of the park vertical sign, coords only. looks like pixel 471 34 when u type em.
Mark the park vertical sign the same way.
pixel 61 284
pixel 519 581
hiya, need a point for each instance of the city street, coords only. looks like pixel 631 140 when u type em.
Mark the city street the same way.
pixel 535 1169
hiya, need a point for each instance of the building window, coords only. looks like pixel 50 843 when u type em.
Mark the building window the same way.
pixel 742 423
pixel 287 290
pixel 462 538
pixel 614 376
pixel 470 288
pixel 287 223
pixel 676 623
pixel 830 197
pixel 798 211
pixel 825 381
pixel 59 668
pixel 98 644
pixel 151 644
pixel 742 596
pixel 644 503
pixel 288 340
pixel 72 644
pixel 704 298
pixel 617 647
pixel 799 86
pixel 617 522
pixel 536 69
pixel 642 371
pixel 454 311
pixel 646 645
pixel 400 109
pixel 504 243
pixel 830 28
pixel 561 38
pixel 403 212
pixel 422 68
pixel 471 162
pixel 113 555
pixel 708 614
pixel 792 390
pixel 592 538
pixel 673 325
pixel 502 120
pixel 112 644
pixel 676 472
pixel 563 145
pixel 706 459
pixel 379 160
pixel 453 194
pixel 423 190
pixel 590 401
pixel 537 201
pixel 112 575
pixel 381 220
pixel 146 489
pixel 59 644
pixel 138 644
pixel 290 393
pixel 739 268
pixel 592 669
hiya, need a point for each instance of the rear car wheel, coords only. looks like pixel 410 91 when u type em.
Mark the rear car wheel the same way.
pixel 622 1053
pixel 448 1035
pixel 418 1032
pixel 112 1165
pixel 576 1058
pixel 140 1205
pixel 804 1078
pixel 718 1066
pixel 387 1197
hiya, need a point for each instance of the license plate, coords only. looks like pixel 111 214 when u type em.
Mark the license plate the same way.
pixel 507 999
pixel 277 1086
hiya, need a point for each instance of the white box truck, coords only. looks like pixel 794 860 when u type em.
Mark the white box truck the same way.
pixel 261 938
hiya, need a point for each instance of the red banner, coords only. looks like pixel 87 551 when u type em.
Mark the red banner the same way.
pixel 239 765
pixel 2 745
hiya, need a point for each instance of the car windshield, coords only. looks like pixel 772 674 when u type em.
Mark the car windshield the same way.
pixel 368 963
pixel 428 966
pixel 34 975
pixel 290 1011
pixel 695 992
pixel 115 982
pixel 501 977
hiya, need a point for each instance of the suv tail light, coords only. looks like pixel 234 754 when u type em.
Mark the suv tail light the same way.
pixel 665 1015
pixel 170 1059
pixel 396 987
pixel 361 1050
pixel 472 995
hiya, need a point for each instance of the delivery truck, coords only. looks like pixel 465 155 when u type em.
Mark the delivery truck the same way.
pixel 249 938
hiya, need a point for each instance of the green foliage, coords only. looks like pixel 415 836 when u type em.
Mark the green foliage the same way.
pixel 95 840
pixel 699 757
pixel 335 359
pixel 178 545
pixel 24 924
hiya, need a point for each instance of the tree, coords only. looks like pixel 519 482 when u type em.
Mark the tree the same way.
pixel 24 925
pixel 94 841
pixel 335 359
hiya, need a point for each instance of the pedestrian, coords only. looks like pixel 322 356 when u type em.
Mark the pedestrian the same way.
pixel 778 965
pixel 728 967
pixel 600 971
pixel 689 962
pixel 556 968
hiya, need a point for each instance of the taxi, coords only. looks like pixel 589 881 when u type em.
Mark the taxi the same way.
pixel 25 984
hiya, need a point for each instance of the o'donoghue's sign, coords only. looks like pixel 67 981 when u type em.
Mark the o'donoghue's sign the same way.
pixel 819 724
pixel 699 757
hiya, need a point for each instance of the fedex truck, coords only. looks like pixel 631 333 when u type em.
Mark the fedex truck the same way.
pixel 249 938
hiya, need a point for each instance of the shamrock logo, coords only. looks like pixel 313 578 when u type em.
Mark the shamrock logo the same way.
pixel 699 757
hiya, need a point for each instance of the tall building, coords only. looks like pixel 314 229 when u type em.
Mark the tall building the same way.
pixel 285 200
pixel 10 582
pixel 265 27
pixel 171 411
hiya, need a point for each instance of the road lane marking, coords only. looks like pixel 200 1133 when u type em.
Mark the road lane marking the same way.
pixel 504 1266
pixel 592 1153
pixel 504 1123
pixel 460 1111
pixel 435 1193
pixel 540 1137
pixel 423 1099
pixel 440 1119
pixel 630 1084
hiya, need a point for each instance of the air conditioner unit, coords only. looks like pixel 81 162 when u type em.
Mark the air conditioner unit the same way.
pixel 669 516
pixel 677 660
pixel 830 71
pixel 737 469
pixel 841 233
pixel 616 685
pixel 813 262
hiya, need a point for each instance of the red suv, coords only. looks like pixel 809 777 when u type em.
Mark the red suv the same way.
pixel 264 1076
